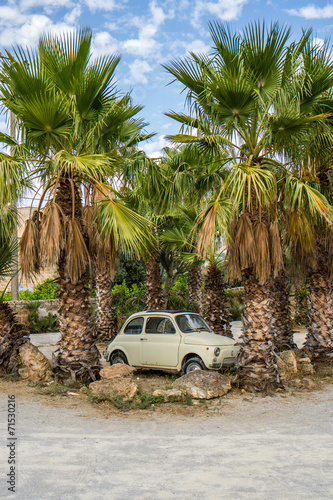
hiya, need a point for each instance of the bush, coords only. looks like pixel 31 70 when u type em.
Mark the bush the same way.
pixel 43 291
pixel 178 294
pixel 127 300
pixel 236 304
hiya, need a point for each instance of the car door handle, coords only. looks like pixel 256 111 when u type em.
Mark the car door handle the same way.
pixel 142 338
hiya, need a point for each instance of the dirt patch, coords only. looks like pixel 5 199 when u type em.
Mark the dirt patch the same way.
pixel 148 381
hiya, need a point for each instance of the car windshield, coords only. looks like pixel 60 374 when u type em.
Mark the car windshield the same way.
pixel 192 323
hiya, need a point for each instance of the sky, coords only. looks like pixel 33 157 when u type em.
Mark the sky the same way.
pixel 148 34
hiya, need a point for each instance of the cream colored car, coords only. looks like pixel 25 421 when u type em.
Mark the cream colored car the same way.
pixel 170 340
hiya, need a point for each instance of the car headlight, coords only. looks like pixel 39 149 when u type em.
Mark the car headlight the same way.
pixel 217 351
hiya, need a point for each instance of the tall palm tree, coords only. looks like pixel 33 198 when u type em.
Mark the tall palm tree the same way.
pixel 233 95
pixel 12 182
pixel 62 100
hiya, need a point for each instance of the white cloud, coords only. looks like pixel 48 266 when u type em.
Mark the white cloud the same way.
pixel 313 12
pixel 94 5
pixel 198 47
pixel 27 29
pixel 226 10
pixel 73 15
pixel 153 149
pixel 145 44
pixel 46 4
pixel 318 42
pixel 103 43
pixel 139 68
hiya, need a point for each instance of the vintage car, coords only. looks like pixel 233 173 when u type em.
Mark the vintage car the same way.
pixel 176 341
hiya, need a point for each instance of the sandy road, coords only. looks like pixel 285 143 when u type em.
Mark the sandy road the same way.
pixel 254 448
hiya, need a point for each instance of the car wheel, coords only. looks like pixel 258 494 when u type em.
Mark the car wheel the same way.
pixel 118 357
pixel 193 364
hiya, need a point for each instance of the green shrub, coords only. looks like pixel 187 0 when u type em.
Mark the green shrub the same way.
pixel 127 301
pixel 43 291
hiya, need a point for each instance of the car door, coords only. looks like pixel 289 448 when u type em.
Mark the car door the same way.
pixel 159 344
pixel 129 340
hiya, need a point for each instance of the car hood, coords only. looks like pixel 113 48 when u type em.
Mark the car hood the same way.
pixel 207 338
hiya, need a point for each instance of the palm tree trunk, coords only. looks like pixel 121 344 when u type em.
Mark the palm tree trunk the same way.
pixel 195 288
pixel 154 298
pixel 77 358
pixel 281 321
pixel 12 336
pixel 169 282
pixel 106 325
pixel 217 310
pixel 319 339
pixel 256 360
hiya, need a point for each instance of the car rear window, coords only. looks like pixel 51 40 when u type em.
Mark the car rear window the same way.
pixel 158 324
pixel 134 327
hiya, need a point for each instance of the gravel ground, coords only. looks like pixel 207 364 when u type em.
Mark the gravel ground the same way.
pixel 254 448
pixel 247 448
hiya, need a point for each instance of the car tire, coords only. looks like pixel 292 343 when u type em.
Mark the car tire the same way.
pixel 118 357
pixel 193 364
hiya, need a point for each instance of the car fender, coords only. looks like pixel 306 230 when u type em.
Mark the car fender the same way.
pixel 121 349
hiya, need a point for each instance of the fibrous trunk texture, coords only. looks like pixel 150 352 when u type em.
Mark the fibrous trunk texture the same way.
pixel 319 340
pixel 195 288
pixel 256 360
pixel 77 358
pixel 281 320
pixel 12 336
pixel 217 310
pixel 106 326
pixel 154 299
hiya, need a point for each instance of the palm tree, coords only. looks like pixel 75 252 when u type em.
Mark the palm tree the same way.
pixel 62 101
pixel 310 161
pixel 12 182
pixel 233 96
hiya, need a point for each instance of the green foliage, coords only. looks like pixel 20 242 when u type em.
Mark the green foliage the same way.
pixel 147 400
pixel 188 400
pixel 127 300
pixel 43 291
pixel 236 304
pixel 178 294
pixel 301 307
pixel 40 325
pixel 131 272
pixel 52 389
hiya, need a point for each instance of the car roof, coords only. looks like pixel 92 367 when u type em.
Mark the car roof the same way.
pixel 150 311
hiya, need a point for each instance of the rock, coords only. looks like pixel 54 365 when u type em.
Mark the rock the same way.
pixel 116 371
pixel 308 383
pixel 34 365
pixel 201 384
pixel 296 382
pixel 120 386
pixel 287 365
pixel 305 366
pixel 170 395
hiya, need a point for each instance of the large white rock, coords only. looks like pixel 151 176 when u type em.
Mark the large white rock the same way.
pixel 34 365
pixel 201 384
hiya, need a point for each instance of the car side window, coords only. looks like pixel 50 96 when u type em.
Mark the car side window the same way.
pixel 157 324
pixel 134 327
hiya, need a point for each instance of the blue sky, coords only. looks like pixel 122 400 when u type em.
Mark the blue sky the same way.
pixel 150 33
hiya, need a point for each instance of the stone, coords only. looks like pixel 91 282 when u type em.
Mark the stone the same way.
pixel 170 395
pixel 201 384
pixel 296 382
pixel 116 371
pixel 287 365
pixel 122 387
pixel 34 366
pixel 308 383
pixel 305 366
